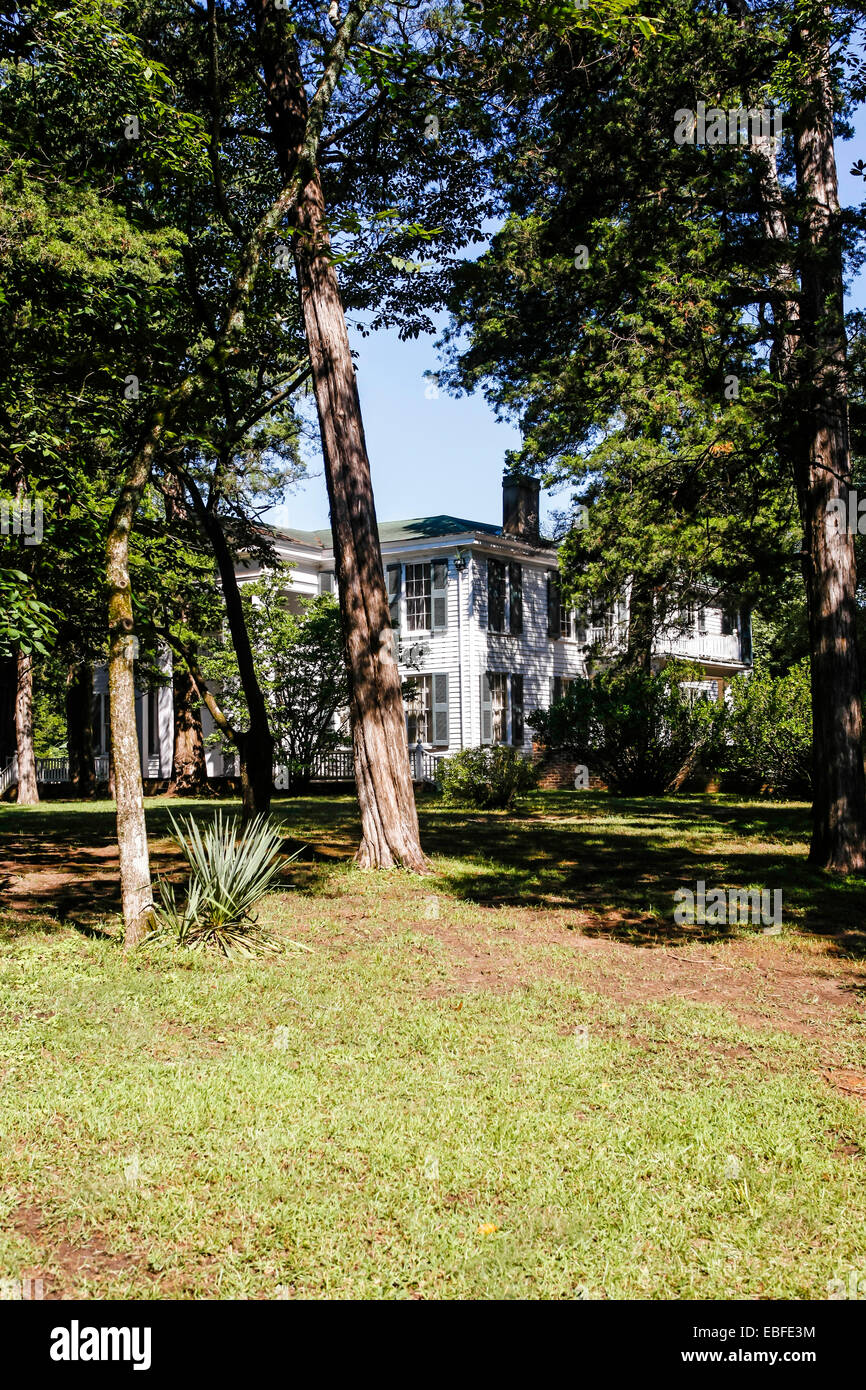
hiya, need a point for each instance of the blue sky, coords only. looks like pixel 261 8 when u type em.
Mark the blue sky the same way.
pixel 432 455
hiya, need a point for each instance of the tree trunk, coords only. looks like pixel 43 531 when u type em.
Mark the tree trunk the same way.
pixel 135 888
pixel 28 792
pixel 188 771
pixel 79 727
pixel 639 646
pixel 256 746
pixel 823 473
pixel 389 819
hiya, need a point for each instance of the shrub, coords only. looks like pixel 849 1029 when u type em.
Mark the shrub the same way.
pixel 636 731
pixel 768 729
pixel 230 874
pixel 491 778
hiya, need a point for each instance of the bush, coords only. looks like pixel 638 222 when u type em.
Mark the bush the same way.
pixel 230 874
pixel 768 729
pixel 491 778
pixel 636 731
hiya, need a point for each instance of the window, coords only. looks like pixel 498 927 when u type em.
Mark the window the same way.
pixel 419 606
pixel 499 705
pixel 426 595
pixel 327 582
pixel 567 621
pixel 427 710
pixel 499 714
pixel 559 687
pixel 504 597
pixel 419 699
pixel 729 622
pixel 702 621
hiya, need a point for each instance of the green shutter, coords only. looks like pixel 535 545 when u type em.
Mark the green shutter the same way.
pixel 439 591
pixel 515 594
pixel 440 709
pixel 554 622
pixel 517 711
pixel 486 709
pixel 495 595
pixel 394 577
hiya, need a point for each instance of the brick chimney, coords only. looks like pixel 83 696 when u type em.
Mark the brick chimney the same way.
pixel 520 507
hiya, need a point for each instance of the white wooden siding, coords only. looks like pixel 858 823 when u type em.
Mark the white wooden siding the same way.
pixel 464 651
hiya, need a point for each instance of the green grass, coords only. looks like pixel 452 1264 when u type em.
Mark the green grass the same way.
pixel 365 1116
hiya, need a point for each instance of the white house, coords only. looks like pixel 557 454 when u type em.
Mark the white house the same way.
pixel 481 635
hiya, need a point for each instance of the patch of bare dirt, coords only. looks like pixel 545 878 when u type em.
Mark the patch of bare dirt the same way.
pixel 72 1260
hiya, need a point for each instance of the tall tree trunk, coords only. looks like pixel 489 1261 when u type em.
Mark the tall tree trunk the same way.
pixel 255 746
pixel 823 473
pixel 188 772
pixel 389 819
pixel 639 645
pixel 28 792
pixel 131 828
pixel 135 887
pixel 79 727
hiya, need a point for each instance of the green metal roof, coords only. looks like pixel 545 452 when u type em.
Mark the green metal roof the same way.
pixel 420 528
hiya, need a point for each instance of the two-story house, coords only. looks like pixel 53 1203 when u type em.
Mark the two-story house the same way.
pixel 481 635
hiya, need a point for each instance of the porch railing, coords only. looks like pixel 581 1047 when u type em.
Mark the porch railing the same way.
pixel 335 766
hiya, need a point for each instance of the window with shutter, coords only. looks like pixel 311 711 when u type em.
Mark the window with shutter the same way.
pixel 440 594
pixel 515 599
pixel 419 696
pixel 418 599
pixel 495 596
pixel 554 626
pixel 517 711
pixel 440 709
pixel 486 709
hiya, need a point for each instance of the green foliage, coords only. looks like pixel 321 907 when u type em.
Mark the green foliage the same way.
pixel 26 624
pixel 229 875
pixel 493 779
pixel 636 731
pixel 300 667
pixel 768 729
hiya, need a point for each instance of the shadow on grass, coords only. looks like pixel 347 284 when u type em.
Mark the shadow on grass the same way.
pixel 616 860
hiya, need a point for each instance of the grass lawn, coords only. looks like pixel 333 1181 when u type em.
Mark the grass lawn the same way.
pixel 516 1077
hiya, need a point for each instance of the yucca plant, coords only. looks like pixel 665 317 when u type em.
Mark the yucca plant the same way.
pixel 230 872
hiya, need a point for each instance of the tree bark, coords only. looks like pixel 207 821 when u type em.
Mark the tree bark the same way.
pixel 389 819
pixel 28 792
pixel 188 772
pixel 810 357
pixel 79 727
pixel 639 646
pixel 135 888
pixel 822 468
pixel 255 746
